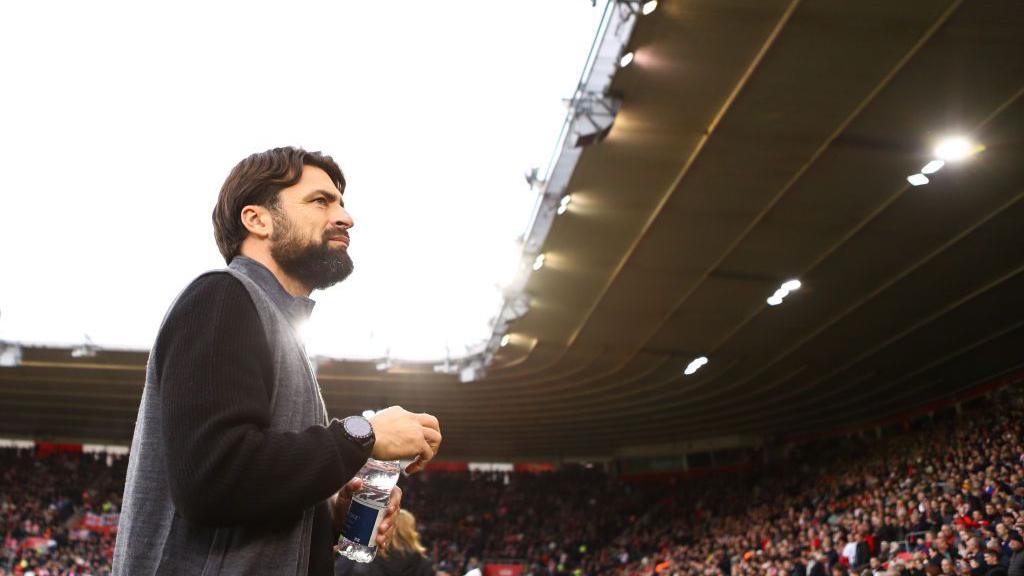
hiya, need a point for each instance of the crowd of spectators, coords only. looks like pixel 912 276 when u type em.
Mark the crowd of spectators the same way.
pixel 944 500
pixel 556 522
pixel 42 503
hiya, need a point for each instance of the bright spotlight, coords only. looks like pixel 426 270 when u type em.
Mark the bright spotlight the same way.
pixel 505 340
pixel 368 413
pixel 695 365
pixel 955 148
pixel 791 285
pixel 563 205
pixel 917 179
pixel 538 262
pixel 932 167
pixel 649 7
pixel 783 291
pixel 626 59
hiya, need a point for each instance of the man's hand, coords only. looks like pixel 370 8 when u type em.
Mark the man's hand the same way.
pixel 401 435
pixel 340 502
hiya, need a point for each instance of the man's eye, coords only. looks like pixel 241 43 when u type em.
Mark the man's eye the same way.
pixel 321 201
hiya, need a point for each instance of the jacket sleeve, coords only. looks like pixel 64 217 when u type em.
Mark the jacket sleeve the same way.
pixel 225 467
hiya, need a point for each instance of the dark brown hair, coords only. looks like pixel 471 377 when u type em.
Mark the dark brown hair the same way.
pixel 257 181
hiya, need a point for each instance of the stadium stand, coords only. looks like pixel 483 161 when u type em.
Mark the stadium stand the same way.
pixel 52 509
pixel 931 499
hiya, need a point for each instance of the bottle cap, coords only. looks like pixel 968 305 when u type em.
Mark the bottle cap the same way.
pixel 404 464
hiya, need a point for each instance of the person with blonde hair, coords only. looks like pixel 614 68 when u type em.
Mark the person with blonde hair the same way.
pixel 402 555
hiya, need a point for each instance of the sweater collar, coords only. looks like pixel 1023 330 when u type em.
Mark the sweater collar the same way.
pixel 296 308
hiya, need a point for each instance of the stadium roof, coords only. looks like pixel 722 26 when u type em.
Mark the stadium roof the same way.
pixel 757 141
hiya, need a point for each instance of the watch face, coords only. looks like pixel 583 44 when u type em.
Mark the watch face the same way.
pixel 358 427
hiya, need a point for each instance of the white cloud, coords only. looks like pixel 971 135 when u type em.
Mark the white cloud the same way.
pixel 121 119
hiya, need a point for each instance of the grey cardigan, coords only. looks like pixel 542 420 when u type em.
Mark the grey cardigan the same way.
pixel 154 539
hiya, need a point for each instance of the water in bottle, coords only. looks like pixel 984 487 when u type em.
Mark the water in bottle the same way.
pixel 358 539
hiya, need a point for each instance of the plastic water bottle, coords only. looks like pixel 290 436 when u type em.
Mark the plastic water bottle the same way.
pixel 358 539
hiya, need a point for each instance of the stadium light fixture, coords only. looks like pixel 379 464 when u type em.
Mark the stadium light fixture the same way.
pixel 563 205
pixel 590 116
pixel 626 60
pixel 384 364
pixel 649 7
pixel 695 365
pixel 86 350
pixel 932 167
pixel 917 179
pixel 538 262
pixel 10 355
pixel 469 373
pixel 783 291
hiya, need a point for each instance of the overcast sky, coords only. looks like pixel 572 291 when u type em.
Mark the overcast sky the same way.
pixel 120 120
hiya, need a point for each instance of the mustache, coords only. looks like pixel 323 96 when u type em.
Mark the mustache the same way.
pixel 335 234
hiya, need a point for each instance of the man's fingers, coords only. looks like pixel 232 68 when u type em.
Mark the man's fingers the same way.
pixel 396 499
pixel 383 537
pixel 415 467
pixel 431 442
pixel 426 453
pixel 433 437
pixel 350 488
pixel 387 524
pixel 394 505
pixel 428 421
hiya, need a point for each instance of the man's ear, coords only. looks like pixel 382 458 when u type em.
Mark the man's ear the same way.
pixel 257 221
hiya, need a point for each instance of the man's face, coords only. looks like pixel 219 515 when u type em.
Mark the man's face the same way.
pixel 310 235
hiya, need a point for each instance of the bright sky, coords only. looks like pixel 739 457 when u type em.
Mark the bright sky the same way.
pixel 120 120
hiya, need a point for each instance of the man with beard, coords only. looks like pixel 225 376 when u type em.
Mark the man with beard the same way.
pixel 235 467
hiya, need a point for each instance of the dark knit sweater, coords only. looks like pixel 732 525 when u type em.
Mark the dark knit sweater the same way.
pixel 225 466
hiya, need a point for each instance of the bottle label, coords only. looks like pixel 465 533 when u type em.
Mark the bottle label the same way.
pixel 364 516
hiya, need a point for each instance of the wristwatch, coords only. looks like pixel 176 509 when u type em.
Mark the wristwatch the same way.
pixel 359 430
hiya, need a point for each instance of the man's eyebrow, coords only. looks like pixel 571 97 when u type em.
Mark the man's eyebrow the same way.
pixel 331 195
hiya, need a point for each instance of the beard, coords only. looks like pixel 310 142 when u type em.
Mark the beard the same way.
pixel 316 265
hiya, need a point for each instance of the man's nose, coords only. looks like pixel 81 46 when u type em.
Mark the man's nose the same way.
pixel 342 219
